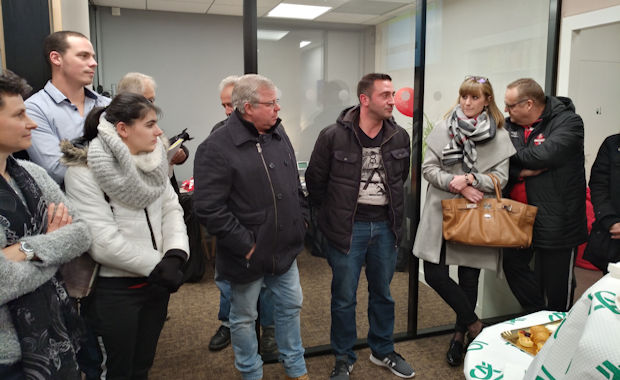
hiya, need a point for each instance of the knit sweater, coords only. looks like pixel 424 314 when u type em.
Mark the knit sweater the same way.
pixel 53 249
pixel 123 238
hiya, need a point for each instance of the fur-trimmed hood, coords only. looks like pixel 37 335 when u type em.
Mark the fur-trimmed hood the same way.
pixel 74 153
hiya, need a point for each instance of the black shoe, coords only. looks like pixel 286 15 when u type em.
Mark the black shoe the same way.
pixel 454 356
pixel 221 339
pixel 268 345
pixel 341 370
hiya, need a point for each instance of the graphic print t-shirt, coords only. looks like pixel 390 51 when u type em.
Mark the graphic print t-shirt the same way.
pixel 372 199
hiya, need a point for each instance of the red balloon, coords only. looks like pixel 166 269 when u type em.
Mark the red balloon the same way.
pixel 404 101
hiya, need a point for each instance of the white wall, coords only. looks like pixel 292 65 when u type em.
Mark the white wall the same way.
pixel 187 54
pixel 594 84
pixel 75 16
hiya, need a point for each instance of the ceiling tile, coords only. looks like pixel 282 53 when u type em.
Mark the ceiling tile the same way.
pixel 345 18
pixel 368 7
pixel 228 2
pixel 133 4
pixel 225 9
pixel 179 6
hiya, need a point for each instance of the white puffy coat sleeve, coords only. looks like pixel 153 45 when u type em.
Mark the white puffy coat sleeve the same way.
pixel 173 227
pixel 110 247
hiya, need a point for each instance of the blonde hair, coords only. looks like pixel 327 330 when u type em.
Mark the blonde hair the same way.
pixel 477 86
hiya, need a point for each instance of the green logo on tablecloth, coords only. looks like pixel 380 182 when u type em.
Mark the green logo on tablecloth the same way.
pixel 555 334
pixel 546 373
pixel 513 321
pixel 609 370
pixel 557 316
pixel 606 300
pixel 476 345
pixel 485 371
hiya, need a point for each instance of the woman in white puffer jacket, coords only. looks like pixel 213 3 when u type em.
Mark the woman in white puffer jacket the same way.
pixel 118 179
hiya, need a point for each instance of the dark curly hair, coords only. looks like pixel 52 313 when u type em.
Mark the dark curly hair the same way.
pixel 126 107
pixel 12 84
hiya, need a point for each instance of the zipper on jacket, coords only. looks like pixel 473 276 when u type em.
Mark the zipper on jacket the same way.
pixel 387 184
pixel 273 194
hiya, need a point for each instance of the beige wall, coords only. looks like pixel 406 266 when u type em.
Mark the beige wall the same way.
pixel 575 7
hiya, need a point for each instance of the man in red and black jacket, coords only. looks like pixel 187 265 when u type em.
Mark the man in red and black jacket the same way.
pixel 548 172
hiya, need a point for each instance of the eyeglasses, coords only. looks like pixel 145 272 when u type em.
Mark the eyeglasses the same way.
pixel 511 106
pixel 476 78
pixel 271 104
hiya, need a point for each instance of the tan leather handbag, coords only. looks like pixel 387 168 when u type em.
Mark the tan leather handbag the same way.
pixel 492 222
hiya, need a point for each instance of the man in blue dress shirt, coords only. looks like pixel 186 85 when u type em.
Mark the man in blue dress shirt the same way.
pixel 59 109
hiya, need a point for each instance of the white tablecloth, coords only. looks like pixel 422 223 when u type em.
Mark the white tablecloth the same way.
pixel 491 357
pixel 585 346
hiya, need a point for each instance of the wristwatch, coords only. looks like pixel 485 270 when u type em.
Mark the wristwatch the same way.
pixel 27 249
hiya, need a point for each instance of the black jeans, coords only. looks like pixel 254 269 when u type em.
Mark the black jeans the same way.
pixel 461 297
pixel 12 371
pixel 127 316
pixel 552 279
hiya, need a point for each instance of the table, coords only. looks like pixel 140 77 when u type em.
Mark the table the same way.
pixel 586 345
pixel 490 357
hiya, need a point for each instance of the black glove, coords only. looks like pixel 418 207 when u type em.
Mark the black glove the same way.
pixel 167 272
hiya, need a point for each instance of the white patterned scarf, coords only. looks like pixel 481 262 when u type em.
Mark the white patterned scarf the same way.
pixel 134 180
pixel 465 133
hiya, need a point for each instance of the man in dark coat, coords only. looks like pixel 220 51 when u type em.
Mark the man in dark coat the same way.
pixel 248 195
pixel 355 177
pixel 604 243
pixel 548 172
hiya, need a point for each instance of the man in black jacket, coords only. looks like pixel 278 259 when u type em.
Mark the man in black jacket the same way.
pixel 221 338
pixel 247 194
pixel 548 172
pixel 355 177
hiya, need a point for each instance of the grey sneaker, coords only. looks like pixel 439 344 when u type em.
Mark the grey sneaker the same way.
pixel 395 363
pixel 341 371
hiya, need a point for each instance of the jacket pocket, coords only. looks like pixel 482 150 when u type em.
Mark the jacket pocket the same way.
pixel 395 163
pixel 251 218
pixel 346 157
pixel 342 164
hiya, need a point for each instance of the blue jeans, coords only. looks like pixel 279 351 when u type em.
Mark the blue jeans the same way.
pixel 266 304
pixel 287 301
pixel 373 244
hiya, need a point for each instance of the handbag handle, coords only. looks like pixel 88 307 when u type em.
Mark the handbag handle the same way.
pixel 498 190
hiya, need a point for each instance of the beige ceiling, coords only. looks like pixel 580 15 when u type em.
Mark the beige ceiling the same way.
pixel 368 12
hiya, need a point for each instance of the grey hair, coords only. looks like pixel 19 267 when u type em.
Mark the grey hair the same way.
pixel 245 90
pixel 134 83
pixel 228 81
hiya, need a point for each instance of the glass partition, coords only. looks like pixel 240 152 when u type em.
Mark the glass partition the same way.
pixel 316 66
pixel 502 40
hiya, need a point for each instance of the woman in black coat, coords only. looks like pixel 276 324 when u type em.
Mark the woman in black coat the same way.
pixel 604 244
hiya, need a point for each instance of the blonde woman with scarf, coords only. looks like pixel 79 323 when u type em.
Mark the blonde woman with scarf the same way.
pixel 467 144
pixel 118 179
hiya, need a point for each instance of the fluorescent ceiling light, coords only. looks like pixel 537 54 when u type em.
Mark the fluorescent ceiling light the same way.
pixel 304 43
pixel 270 35
pixel 306 12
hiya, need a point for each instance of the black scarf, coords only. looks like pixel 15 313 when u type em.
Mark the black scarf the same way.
pixel 46 322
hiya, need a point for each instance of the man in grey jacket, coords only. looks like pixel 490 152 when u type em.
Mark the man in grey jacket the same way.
pixel 247 194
